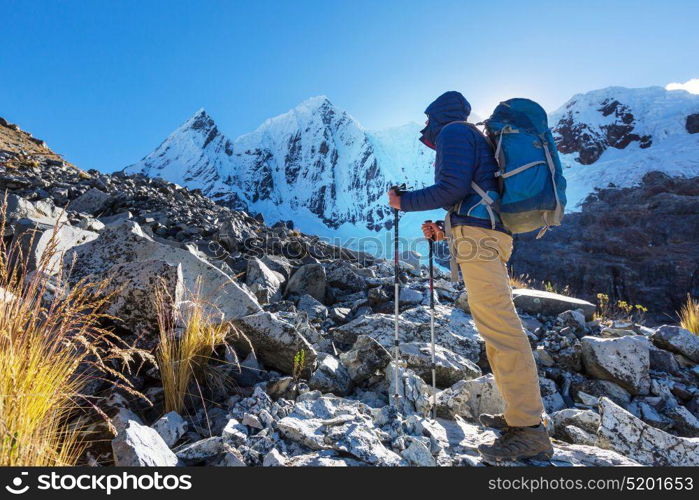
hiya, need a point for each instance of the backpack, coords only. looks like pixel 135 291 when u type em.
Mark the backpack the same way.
pixel 532 186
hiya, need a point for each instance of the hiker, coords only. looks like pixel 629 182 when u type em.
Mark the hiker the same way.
pixel 481 246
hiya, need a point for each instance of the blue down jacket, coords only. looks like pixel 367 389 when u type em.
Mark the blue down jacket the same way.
pixel 463 155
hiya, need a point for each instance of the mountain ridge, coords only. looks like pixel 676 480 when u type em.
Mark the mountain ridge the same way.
pixel 318 166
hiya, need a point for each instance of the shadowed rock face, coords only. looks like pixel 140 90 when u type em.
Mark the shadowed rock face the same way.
pixel 692 124
pixel 638 244
pixel 590 142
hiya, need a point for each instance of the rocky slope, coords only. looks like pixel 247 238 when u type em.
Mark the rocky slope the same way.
pixel 615 393
pixel 638 244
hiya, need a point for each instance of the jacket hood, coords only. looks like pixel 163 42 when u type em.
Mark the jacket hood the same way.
pixel 448 107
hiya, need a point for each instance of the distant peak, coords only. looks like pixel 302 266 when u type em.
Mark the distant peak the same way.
pixel 199 121
pixel 314 103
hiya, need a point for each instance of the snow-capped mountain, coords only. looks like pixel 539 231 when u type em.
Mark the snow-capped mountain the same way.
pixel 317 166
pixel 314 165
pixel 615 135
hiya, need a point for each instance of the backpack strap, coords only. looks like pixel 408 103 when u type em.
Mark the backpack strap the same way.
pixel 552 169
pixel 487 201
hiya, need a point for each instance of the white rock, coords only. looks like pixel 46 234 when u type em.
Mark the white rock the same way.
pixel 171 427
pixel 337 424
pixel 141 446
pixel 274 458
pixel 201 450
pixel 630 436
pixel 623 360
pixel 414 393
pixel 34 239
pixel 679 340
pixel 587 420
pixel 126 242
pixel 450 367
pixel 264 283
pixel 252 421
pixel 470 398
pixel 549 304
pixel 418 453
pixel 90 202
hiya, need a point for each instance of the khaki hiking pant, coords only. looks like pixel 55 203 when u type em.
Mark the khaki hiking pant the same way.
pixel 482 255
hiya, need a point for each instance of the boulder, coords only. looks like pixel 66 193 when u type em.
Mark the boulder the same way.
pixel 308 279
pixel 233 233
pixel 684 422
pixel 345 276
pixel 410 296
pixel 414 395
pixel 90 202
pixel 140 446
pixel 126 243
pixel 262 281
pixel 586 420
pixel 623 360
pixel 450 367
pixel 552 399
pixel 454 330
pixel 323 458
pixel 274 458
pixel 470 398
pixel 171 427
pixel 41 211
pixel 275 342
pixel 314 309
pixel 677 339
pixel 133 286
pixel 365 358
pixel 330 376
pixel 34 239
pixel 337 424
pixel 418 453
pixel 620 431
pixel 201 451
pixel 549 304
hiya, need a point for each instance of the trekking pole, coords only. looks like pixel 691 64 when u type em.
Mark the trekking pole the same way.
pixel 396 298
pixel 432 347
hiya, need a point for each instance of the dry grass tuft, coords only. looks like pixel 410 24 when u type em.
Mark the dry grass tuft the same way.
pixel 45 350
pixel 689 315
pixel 190 334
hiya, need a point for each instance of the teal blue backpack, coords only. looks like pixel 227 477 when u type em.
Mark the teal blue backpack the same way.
pixel 532 186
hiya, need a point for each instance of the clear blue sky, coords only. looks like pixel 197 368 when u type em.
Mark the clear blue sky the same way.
pixel 103 82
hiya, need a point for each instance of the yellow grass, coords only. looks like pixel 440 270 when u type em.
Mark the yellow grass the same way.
pixel 689 315
pixel 43 350
pixel 189 335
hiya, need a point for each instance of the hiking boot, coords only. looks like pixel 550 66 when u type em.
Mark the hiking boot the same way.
pixel 517 443
pixel 496 421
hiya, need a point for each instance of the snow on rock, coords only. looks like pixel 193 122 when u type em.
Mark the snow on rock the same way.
pixel 616 135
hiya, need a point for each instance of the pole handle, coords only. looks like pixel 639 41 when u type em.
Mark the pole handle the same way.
pixel 429 221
